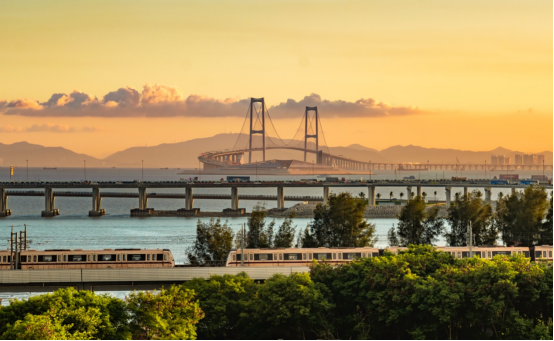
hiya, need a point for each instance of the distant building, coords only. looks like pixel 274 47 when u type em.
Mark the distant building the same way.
pixel 540 159
pixel 519 159
pixel 529 159
pixel 500 160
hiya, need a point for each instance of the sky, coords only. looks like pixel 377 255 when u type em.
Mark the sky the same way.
pixel 97 77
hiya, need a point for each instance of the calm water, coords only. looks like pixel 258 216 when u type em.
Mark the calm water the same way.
pixel 74 229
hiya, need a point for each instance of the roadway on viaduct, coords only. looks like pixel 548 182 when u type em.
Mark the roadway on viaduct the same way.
pixel 124 279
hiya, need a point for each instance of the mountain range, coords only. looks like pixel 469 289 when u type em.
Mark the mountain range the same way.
pixel 185 154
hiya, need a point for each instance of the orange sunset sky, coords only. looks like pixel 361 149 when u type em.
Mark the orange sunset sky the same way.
pixel 101 76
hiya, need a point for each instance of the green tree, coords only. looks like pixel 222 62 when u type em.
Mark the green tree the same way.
pixel 378 196
pixel 472 209
pixel 80 313
pixel 258 234
pixel 284 237
pixel 435 193
pixel 166 314
pixel 286 307
pixel 546 231
pixel 417 225
pixel 424 195
pixel 213 243
pixel 340 223
pixel 41 327
pixel 401 195
pixel 390 195
pixel 520 216
pixel 425 294
pixel 362 195
pixel 222 299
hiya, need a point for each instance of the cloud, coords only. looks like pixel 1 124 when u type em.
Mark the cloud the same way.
pixel 123 97
pixel 93 129
pixel 326 108
pixel 165 101
pixel 50 128
pixel 10 129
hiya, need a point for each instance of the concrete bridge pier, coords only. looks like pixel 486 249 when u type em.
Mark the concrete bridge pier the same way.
pixel 419 192
pixel 280 197
pixel 49 204
pixel 409 196
pixel 189 199
pixel 466 193
pixel 97 210
pixel 234 198
pixel 448 191
pixel 325 195
pixel 514 190
pixel 488 195
pixel 4 212
pixel 371 195
pixel 143 198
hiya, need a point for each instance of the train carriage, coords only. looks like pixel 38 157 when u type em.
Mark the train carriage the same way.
pixel 296 256
pixel 542 252
pixel 90 259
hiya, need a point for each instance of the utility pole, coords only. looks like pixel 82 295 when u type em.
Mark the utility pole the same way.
pixel 242 246
pixel 470 234
pixel 28 170
pixel 85 167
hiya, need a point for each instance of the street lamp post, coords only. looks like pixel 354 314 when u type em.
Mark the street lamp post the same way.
pixel 142 169
pixel 370 169
pixel 85 168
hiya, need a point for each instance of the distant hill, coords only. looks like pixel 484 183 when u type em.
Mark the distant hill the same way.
pixel 39 156
pixel 185 154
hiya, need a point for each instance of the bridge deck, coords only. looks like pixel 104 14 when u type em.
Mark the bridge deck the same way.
pixel 124 279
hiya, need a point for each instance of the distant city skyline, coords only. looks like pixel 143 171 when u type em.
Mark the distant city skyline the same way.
pixel 467 75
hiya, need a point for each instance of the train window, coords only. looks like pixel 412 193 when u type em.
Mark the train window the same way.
pixel 159 256
pixel 76 258
pixel 310 256
pixel 304 256
pixel 88 258
pixel 118 258
pixel 234 258
pixel 550 254
pixel 334 256
pixel 106 258
pixel 141 257
pixel 34 258
pixel 124 257
pixel 375 254
pixel 459 254
pixel 280 256
pixel 489 256
pixel 293 256
pixel 537 254
pixel 65 258
pixel 4 259
pixel 266 256
pixel 352 255
pixel 165 256
pixel 94 258
pixel 147 257
pixel 48 258
pixel 340 255
pixel 544 254
pixel 23 259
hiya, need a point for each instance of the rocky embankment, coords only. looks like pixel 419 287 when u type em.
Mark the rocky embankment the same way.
pixel 306 210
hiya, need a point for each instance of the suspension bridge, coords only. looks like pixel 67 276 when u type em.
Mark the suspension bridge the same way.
pixel 258 134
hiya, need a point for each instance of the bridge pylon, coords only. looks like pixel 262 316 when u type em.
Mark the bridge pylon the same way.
pixel 252 131
pixel 315 117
